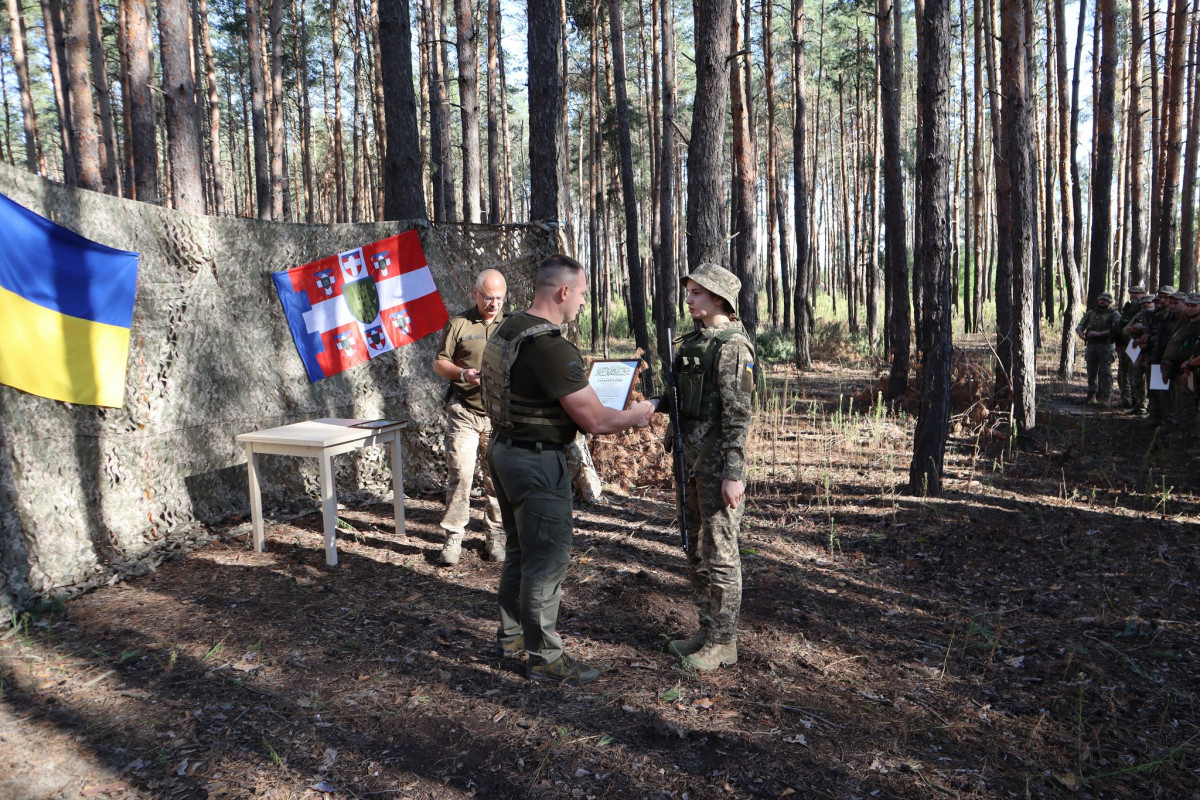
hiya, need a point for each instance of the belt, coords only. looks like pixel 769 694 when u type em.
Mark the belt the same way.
pixel 555 446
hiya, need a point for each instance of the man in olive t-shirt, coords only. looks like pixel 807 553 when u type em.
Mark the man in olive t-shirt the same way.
pixel 536 393
pixel 467 427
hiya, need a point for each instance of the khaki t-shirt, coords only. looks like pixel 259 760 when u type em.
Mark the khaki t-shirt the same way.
pixel 463 340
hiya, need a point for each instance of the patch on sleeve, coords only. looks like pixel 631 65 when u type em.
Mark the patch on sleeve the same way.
pixel 574 371
pixel 748 377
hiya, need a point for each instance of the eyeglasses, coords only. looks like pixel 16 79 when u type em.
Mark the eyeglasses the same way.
pixel 496 300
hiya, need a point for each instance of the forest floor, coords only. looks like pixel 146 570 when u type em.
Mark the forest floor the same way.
pixel 1033 632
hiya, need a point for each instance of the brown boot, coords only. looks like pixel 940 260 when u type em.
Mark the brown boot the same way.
pixel 451 550
pixel 494 547
pixel 713 655
pixel 692 644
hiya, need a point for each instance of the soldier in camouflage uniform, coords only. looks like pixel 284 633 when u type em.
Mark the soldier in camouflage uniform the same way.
pixel 1126 374
pixel 1138 331
pixel 1183 346
pixel 1167 319
pixel 536 392
pixel 467 428
pixel 714 367
pixel 1097 328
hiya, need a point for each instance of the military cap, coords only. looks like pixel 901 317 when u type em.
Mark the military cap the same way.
pixel 1146 300
pixel 1138 289
pixel 718 280
pixel 1105 296
pixel 1193 299
pixel 1167 290
pixel 1180 296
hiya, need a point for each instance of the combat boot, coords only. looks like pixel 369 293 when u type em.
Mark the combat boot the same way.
pixel 494 548
pixel 564 670
pixel 451 550
pixel 713 655
pixel 510 649
pixel 692 644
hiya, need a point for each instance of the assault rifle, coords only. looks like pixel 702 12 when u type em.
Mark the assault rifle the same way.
pixel 679 463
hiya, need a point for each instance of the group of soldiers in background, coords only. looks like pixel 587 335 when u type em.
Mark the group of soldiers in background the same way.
pixel 1163 333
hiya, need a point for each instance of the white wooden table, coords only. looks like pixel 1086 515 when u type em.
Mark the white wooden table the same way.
pixel 322 439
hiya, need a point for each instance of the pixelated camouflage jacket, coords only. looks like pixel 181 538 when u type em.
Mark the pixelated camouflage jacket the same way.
pixel 734 370
pixel 1106 321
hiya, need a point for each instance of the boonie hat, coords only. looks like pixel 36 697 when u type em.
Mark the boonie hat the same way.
pixel 1167 290
pixel 1139 289
pixel 718 280
pixel 1193 299
pixel 1146 300
pixel 1180 296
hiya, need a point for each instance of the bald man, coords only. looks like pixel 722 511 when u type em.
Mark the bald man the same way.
pixel 467 426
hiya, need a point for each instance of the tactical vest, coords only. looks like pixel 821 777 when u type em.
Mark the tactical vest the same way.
pixel 699 394
pixel 544 417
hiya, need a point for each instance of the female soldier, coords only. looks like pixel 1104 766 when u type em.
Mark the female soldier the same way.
pixel 714 368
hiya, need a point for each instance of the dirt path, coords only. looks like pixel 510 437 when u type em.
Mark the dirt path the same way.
pixel 1032 633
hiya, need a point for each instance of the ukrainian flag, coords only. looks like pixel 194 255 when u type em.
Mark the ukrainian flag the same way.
pixel 66 307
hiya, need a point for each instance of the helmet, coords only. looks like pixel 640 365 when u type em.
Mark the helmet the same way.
pixel 718 280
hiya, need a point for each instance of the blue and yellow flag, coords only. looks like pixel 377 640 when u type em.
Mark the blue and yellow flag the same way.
pixel 66 306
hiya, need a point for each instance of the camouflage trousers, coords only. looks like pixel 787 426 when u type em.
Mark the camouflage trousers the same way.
pixel 1185 409
pixel 583 470
pixel 1161 404
pixel 467 434
pixel 1099 358
pixel 1128 376
pixel 714 562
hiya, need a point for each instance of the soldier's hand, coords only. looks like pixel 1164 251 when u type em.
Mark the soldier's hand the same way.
pixel 472 376
pixel 731 492
pixel 646 411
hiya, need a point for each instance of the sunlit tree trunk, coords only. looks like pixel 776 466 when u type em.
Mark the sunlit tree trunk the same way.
pixel 341 212
pixel 278 176
pixel 83 136
pixel 495 195
pixel 664 299
pixel 56 50
pixel 803 310
pixel 16 23
pixel 107 146
pixel 214 111
pixel 895 257
pixel 706 190
pixel 403 192
pixel 547 125
pixel 1172 141
pixel 258 110
pixel 468 96
pixel 1187 246
pixel 179 99
pixel 743 232
pixel 933 254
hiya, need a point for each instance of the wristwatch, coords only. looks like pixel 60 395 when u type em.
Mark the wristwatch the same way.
pixel 462 375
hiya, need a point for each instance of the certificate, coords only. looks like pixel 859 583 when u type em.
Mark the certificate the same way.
pixel 1156 379
pixel 1133 351
pixel 613 380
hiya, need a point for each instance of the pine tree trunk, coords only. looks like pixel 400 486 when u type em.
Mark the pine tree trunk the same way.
pixel 772 187
pixel 1073 147
pixel 258 114
pixel 84 137
pixel 933 255
pixel 547 129
pixel 468 95
pixel 214 111
pixel 664 299
pixel 342 210
pixel 1048 174
pixel 1102 170
pixel 1173 142
pixel 56 49
pixel 107 146
pixel 743 229
pixel 1021 200
pixel 1187 245
pixel 300 46
pixel 495 195
pixel 179 99
pixel 16 21
pixel 595 175
pixel 895 257
pixel 637 282
pixel 403 194
pixel 135 37
pixel 278 178
pixel 706 190
pixel 802 331
pixel 979 180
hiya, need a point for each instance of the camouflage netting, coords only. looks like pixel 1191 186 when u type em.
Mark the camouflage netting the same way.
pixel 88 494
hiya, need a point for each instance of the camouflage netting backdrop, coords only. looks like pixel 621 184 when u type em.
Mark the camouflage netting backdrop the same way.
pixel 89 494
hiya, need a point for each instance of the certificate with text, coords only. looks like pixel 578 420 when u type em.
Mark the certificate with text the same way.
pixel 613 380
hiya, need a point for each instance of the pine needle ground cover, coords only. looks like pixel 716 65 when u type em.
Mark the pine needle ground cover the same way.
pixel 1032 633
